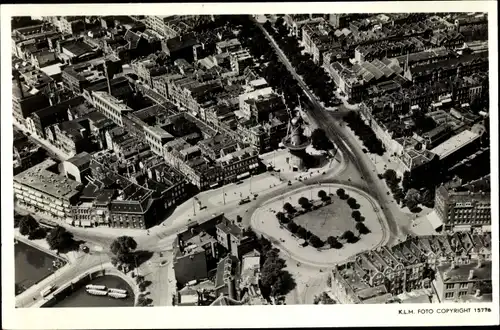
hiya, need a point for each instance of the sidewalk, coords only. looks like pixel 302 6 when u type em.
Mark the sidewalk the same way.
pixel 160 271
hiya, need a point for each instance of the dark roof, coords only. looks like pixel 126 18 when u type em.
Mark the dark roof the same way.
pixel 126 207
pixel 178 43
pixel 133 39
pixel 229 228
pixel 99 120
pixel 81 160
pixel 78 48
pixel 61 107
pixel 466 58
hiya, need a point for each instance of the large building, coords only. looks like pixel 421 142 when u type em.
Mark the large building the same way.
pixel 110 106
pixel 111 199
pixel 25 103
pixel 457 147
pixel 316 38
pixel 352 86
pixel 232 237
pixel 464 283
pixel 54 114
pixel 41 189
pixel 196 251
pixel 463 209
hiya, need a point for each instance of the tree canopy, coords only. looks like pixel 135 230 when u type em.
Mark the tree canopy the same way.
pixel 333 242
pixel 361 228
pixel 293 227
pixel 289 208
pixel 322 194
pixel 123 247
pixel 320 141
pixel 27 225
pixel 60 239
pixel 316 241
pixel 273 276
pixel 349 236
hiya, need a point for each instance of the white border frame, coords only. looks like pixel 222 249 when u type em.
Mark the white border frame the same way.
pixel 238 316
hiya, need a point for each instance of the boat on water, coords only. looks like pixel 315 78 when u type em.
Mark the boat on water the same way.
pixel 95 287
pixel 96 292
pixel 117 295
pixel 117 290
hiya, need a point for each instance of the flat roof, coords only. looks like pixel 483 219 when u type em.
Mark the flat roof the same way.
pixel 454 143
pixel 39 178
pixel 52 70
pixel 112 100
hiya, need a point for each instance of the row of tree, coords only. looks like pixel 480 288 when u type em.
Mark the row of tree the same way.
pixel 274 279
pixel 275 73
pixel 365 133
pixel 320 141
pixel 28 226
pixel 314 240
pixel 314 76
pixel 58 238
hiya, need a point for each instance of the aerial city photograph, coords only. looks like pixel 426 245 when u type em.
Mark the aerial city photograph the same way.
pixel 219 160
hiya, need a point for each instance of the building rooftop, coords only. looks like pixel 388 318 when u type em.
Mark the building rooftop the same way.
pixel 230 228
pixel 374 295
pixel 112 100
pixel 40 178
pixel 78 48
pixel 455 143
pixel 81 160
pixel 50 111
pixel 461 273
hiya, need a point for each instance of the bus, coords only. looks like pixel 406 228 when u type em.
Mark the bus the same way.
pixel 48 290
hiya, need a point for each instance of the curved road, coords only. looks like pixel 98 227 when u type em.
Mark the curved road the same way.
pixel 351 150
pixel 256 225
pixel 63 275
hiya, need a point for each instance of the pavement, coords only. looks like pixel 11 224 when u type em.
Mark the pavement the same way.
pixel 159 271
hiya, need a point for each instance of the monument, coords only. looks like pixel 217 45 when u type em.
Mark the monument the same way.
pixel 296 143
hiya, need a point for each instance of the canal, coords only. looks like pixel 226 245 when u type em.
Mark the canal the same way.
pixel 31 266
pixel 80 298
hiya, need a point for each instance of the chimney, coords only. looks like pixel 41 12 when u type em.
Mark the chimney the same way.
pixel 445 276
pixel 479 263
pixel 453 265
pixel 471 274
pixel 478 293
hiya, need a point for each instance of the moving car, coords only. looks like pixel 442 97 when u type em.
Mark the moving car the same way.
pixel 244 201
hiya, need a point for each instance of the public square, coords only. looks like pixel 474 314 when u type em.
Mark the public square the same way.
pixel 264 222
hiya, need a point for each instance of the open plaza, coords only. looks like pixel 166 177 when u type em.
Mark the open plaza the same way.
pixel 331 223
